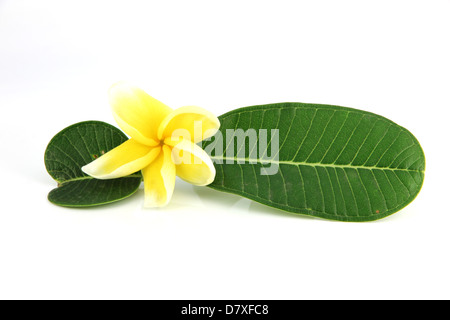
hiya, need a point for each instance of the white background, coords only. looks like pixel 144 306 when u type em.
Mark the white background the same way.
pixel 57 60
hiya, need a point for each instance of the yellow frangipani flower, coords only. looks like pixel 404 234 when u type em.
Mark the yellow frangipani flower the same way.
pixel 162 144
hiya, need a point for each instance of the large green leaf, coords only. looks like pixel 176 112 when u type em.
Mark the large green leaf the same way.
pixel 76 146
pixel 334 162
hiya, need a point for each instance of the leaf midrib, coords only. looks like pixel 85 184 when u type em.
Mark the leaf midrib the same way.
pixel 300 163
pixel 61 183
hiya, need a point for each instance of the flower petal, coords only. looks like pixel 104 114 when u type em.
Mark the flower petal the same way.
pixel 137 113
pixel 159 179
pixel 197 122
pixel 193 164
pixel 130 157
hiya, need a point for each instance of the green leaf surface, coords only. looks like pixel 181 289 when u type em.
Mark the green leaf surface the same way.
pixel 334 162
pixel 76 146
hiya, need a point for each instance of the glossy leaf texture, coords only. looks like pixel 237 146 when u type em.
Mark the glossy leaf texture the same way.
pixel 76 146
pixel 333 162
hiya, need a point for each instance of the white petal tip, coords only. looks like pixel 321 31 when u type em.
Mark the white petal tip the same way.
pixel 217 122
pixel 86 170
pixel 204 184
pixel 153 201
pixel 90 171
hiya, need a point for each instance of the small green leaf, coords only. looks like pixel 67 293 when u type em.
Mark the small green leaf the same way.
pixel 333 162
pixel 76 146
